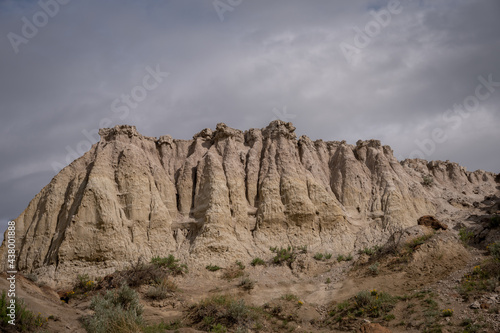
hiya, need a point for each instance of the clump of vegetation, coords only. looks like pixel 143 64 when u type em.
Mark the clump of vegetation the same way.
pixel 413 244
pixel 341 257
pixel 171 264
pixel 212 268
pixel 247 284
pixel 162 289
pixel 116 311
pixel 240 265
pixel 290 297
pixel 370 250
pixel 374 268
pixel 257 261
pixel 371 304
pixel 420 306
pixel 161 327
pixel 300 249
pixel 322 256
pixel 494 250
pixel 140 273
pixel 465 236
pixel 153 272
pixel 427 180
pixel 284 255
pixel 483 278
pixel 25 320
pixel 469 326
pixel 328 281
pixel 494 222
pixel 447 313
pixel 219 313
pixel 234 271
pixel 84 284
pixel 318 256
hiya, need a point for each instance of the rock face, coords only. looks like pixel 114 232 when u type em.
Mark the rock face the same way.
pixel 226 195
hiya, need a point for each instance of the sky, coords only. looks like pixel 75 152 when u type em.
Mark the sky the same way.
pixel 421 76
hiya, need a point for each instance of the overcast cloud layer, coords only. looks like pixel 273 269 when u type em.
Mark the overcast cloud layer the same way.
pixel 245 63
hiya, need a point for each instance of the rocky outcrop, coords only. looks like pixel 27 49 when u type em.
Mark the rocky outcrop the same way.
pixel 431 222
pixel 226 194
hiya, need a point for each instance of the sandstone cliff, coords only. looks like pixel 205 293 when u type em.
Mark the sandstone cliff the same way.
pixel 228 194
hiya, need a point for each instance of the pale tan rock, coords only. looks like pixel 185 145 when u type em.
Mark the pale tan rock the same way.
pixel 227 195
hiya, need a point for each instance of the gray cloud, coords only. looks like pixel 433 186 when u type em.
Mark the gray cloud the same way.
pixel 263 56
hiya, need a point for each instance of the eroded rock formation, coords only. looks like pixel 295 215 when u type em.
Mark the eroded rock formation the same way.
pixel 227 194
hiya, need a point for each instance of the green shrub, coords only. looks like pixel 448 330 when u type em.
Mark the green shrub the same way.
pixel 247 284
pixel 162 327
pixel 212 268
pixel 219 310
pixel 494 250
pixel 257 261
pixel 218 328
pixel 341 257
pixel 369 250
pixel 300 249
pixel 469 326
pixel 84 283
pixel 389 317
pixel 141 273
pixel 26 321
pixel 116 311
pixel 284 255
pixel 415 242
pixel 483 278
pixel 233 271
pixel 365 303
pixel 322 256
pixel 494 222
pixel 162 289
pixel 447 313
pixel 374 268
pixel 465 236
pixel 290 297
pixel 427 180
pixel 171 264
